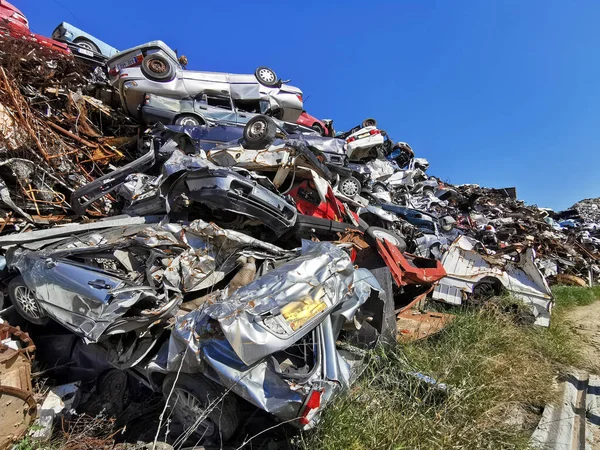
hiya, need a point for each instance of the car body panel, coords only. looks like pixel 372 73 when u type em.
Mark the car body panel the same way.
pixel 309 121
pixel 236 340
pixel 225 190
pixel 130 277
pixel 14 24
pixel 466 267
pixel 362 141
pixel 132 84
pixel 69 33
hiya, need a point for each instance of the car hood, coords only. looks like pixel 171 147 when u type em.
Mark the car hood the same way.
pixel 276 310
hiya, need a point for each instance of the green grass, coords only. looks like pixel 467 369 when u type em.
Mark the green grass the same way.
pixel 495 366
pixel 570 296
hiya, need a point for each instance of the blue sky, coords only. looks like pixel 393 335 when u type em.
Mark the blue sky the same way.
pixel 498 93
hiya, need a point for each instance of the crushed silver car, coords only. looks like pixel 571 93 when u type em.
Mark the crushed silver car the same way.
pixel 274 342
pixel 153 68
pixel 122 279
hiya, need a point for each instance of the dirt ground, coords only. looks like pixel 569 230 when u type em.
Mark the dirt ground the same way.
pixel 585 321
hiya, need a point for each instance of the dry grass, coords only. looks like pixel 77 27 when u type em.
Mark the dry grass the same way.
pixel 496 369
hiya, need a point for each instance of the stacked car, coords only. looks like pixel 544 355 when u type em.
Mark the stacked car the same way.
pixel 237 250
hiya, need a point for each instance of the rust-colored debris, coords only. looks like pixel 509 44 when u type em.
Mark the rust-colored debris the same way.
pixel 413 325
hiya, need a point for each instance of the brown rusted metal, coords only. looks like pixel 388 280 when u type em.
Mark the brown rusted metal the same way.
pixel 26 124
pixel 409 269
pixel 16 415
pixel 71 135
pixel 412 325
pixel 16 393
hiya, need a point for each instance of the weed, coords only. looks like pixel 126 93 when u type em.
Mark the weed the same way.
pixel 497 369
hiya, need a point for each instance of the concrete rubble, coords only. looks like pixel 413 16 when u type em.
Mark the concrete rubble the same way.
pixel 212 247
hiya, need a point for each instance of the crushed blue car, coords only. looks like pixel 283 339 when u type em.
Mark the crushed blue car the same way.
pixel 83 44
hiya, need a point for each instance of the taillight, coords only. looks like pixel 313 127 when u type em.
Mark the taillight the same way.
pixel 113 72
pixel 299 96
pixel 350 139
pixel 374 132
pixel 313 403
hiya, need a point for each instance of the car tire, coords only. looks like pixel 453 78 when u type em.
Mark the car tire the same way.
pixel 266 76
pixel 378 188
pixel 25 302
pixel 87 44
pixel 374 233
pixel 369 123
pixel 156 67
pixel 350 187
pixel 318 128
pixel 189 395
pixel 259 132
pixel 486 289
pixel 189 120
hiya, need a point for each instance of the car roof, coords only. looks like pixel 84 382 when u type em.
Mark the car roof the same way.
pixel 10 6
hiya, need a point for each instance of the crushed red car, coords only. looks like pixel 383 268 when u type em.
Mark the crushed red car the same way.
pixel 309 121
pixel 14 24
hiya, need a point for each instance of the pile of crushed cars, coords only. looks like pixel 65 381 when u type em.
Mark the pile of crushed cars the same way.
pixel 203 234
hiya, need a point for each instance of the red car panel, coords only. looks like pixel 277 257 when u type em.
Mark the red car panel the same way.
pixel 13 23
pixel 309 121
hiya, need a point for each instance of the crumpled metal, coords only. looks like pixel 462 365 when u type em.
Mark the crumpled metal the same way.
pixel 89 300
pixel 225 340
pixel 247 318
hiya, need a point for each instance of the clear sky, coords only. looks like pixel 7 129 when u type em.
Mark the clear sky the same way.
pixel 498 93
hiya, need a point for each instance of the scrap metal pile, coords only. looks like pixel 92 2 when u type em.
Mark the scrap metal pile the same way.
pixel 204 233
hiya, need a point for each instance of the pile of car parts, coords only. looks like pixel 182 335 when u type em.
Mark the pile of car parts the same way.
pixel 204 235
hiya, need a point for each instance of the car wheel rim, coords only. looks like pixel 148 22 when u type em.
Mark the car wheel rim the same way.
pixel 380 234
pixel 257 129
pixel 189 409
pixel 86 45
pixel 349 188
pixel 157 66
pixel 266 75
pixel 26 299
pixel 188 121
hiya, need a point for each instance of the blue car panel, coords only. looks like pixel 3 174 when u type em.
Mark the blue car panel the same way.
pixel 69 33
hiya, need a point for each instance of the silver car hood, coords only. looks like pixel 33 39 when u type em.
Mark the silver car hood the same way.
pixel 278 309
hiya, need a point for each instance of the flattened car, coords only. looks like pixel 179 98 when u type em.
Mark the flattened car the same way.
pixel 153 68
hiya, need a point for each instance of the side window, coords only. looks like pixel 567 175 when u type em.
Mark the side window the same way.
pixel 249 106
pixel 219 102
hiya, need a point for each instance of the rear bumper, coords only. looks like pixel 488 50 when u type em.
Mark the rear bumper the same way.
pixel 226 190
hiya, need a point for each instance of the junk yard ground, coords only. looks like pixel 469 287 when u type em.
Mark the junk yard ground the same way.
pixel 190 259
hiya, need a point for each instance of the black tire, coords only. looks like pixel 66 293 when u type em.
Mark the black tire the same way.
pixel 319 129
pixel 378 188
pixel 158 68
pixel 25 302
pixel 369 123
pixel 87 44
pixel 350 187
pixel 221 422
pixel 266 76
pixel 189 120
pixel 259 132
pixel 486 289
pixel 374 233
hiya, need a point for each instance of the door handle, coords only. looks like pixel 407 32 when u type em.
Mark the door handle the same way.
pixel 99 284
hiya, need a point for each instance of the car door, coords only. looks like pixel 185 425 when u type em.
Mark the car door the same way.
pixel 247 109
pixel 216 109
